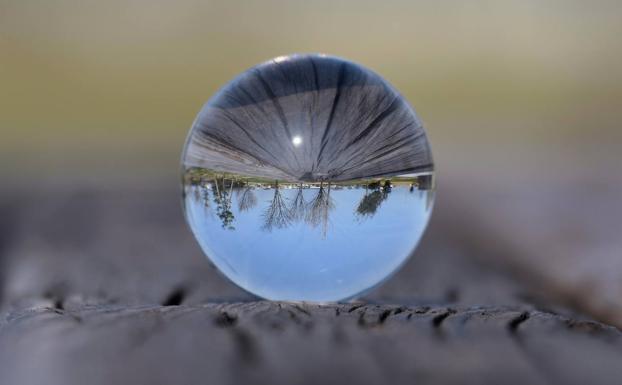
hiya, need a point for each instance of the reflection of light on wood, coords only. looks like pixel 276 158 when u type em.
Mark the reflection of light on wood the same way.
pixel 297 141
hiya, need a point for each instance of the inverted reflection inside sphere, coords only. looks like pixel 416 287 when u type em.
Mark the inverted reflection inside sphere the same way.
pixel 307 178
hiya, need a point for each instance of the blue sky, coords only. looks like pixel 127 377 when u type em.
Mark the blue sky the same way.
pixel 300 262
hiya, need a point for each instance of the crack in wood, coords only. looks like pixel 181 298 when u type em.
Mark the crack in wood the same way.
pixel 439 319
pixel 226 320
pixel 515 323
pixel 175 298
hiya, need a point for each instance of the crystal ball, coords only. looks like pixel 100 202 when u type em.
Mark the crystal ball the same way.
pixel 307 178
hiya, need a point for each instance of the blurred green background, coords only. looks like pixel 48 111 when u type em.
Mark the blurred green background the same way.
pixel 105 91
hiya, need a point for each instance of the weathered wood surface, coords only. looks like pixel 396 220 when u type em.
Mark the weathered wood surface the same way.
pixel 559 233
pixel 278 343
pixel 107 286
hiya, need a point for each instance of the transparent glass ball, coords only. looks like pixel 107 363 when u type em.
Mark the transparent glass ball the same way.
pixel 307 178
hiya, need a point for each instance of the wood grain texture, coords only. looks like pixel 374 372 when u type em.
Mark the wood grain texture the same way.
pixel 282 343
pixel 349 124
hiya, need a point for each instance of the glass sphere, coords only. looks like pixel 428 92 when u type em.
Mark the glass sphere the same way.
pixel 307 178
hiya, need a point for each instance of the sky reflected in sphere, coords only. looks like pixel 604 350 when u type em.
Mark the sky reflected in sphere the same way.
pixel 272 243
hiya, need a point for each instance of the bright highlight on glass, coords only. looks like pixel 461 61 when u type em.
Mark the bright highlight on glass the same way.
pixel 307 178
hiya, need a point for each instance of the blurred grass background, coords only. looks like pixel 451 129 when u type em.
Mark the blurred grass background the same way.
pixel 104 92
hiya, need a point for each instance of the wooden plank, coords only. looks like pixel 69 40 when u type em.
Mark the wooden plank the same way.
pixel 108 286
